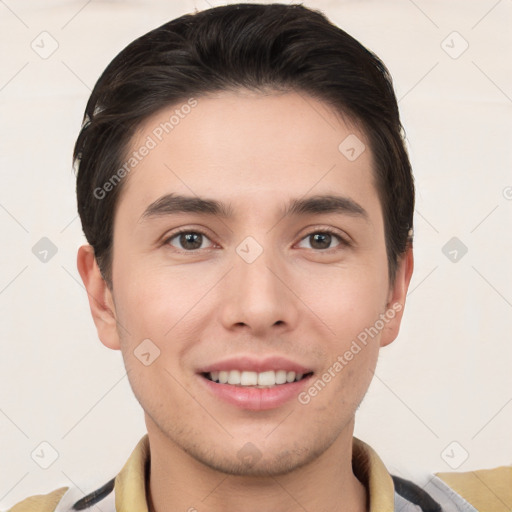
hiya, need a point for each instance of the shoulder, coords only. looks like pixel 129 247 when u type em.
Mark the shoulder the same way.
pixel 94 493
pixel 485 489
pixel 66 499
pixel 472 491
pixel 40 502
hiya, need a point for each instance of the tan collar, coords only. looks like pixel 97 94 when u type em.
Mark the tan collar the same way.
pixel 130 484
pixel 371 471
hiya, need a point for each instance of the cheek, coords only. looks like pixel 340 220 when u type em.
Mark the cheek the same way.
pixel 164 303
pixel 157 305
pixel 347 300
pixel 148 293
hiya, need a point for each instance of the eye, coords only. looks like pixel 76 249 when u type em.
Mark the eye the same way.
pixel 189 240
pixel 193 240
pixel 321 239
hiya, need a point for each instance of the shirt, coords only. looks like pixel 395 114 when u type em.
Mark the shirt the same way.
pixel 483 490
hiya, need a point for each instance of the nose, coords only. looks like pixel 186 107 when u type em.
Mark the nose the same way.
pixel 258 296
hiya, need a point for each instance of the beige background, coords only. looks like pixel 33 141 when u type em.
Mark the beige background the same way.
pixel 446 379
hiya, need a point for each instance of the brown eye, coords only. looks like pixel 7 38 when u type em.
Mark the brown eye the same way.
pixel 322 240
pixel 188 240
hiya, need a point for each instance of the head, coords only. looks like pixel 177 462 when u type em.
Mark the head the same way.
pixel 243 184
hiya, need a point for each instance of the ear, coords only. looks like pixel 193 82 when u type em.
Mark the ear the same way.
pixel 100 297
pixel 396 298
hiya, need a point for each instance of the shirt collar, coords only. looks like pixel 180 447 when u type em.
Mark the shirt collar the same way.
pixel 371 471
pixel 130 484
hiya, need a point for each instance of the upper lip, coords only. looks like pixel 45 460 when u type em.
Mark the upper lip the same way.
pixel 253 364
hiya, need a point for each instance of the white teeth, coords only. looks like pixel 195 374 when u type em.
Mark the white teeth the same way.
pixel 234 377
pixel 281 377
pixel 247 378
pixel 267 378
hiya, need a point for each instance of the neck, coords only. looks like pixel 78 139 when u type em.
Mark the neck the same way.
pixel 178 482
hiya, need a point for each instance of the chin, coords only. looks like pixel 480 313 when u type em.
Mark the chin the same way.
pixel 257 456
pixel 260 466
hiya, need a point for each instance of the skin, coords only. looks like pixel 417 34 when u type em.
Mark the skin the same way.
pixel 297 299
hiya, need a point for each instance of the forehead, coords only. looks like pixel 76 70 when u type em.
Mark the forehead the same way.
pixel 249 150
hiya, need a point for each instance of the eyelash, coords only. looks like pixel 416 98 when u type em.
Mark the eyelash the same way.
pixel 343 242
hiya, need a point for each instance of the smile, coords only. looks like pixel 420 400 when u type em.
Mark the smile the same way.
pixel 262 380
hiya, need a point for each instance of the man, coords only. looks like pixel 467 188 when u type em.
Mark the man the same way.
pixel 243 184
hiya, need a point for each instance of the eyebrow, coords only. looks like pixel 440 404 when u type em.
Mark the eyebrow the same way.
pixel 173 204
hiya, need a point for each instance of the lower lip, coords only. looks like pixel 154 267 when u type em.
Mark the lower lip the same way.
pixel 256 399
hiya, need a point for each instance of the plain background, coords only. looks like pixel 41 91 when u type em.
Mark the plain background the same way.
pixel 441 397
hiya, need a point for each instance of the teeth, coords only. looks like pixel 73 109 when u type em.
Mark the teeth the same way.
pixel 234 377
pixel 246 378
pixel 281 377
pixel 266 378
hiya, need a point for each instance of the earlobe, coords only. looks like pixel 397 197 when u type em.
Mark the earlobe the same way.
pixel 397 297
pixel 100 297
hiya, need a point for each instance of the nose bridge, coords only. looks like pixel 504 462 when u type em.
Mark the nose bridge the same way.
pixel 254 265
pixel 256 295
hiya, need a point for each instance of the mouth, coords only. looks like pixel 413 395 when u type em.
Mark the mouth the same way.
pixel 259 380
pixel 248 382
pixel 255 391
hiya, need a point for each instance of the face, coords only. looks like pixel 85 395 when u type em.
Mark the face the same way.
pixel 249 283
